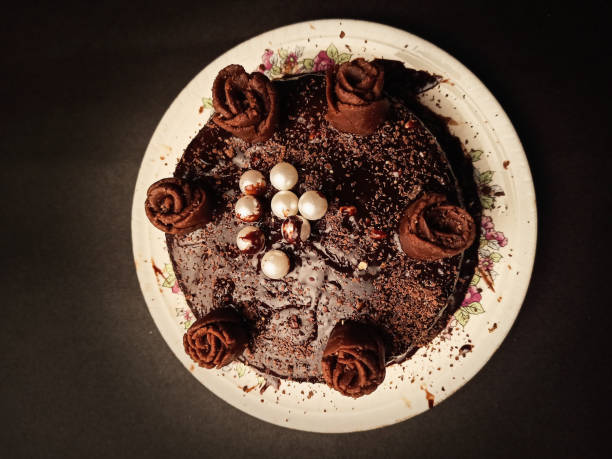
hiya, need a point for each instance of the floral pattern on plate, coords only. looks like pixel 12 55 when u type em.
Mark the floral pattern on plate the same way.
pixel 490 246
pixel 292 61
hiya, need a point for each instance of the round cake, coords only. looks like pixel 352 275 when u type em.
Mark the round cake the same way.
pixel 321 227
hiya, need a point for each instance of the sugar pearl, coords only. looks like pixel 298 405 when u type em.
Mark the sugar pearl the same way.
pixel 283 176
pixel 250 240
pixel 284 204
pixel 252 182
pixel 275 264
pixel 312 205
pixel 248 209
pixel 295 229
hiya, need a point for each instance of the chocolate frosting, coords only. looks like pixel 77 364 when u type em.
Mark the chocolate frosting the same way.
pixel 404 82
pixel 177 206
pixel 409 299
pixel 246 105
pixel 432 228
pixel 355 103
pixel 216 339
pixel 354 359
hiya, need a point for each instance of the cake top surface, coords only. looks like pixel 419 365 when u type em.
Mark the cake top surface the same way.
pixel 352 267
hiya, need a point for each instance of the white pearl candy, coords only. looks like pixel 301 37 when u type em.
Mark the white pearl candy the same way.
pixel 283 176
pixel 275 264
pixel 248 209
pixel 312 205
pixel 250 240
pixel 284 204
pixel 252 182
pixel 290 227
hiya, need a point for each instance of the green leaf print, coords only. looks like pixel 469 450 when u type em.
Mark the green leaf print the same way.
pixel 475 155
pixel 496 256
pixel 240 370
pixel 487 202
pixel 283 53
pixel 169 277
pixel 332 52
pixel 462 316
pixel 207 102
pixel 474 308
pixel 485 177
pixel 169 281
pixel 475 280
pixel 342 58
pixel 308 64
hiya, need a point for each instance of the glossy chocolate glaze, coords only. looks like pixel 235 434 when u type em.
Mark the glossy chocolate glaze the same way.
pixel 352 266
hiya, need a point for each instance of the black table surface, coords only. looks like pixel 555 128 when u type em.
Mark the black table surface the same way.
pixel 84 371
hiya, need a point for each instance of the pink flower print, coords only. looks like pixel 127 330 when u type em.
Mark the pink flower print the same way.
pixel 490 234
pixel 266 60
pixel 497 236
pixel 290 63
pixel 486 264
pixel 322 61
pixel 472 296
pixel 487 224
pixel 175 287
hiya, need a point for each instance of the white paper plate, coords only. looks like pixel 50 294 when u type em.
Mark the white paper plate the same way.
pixel 506 253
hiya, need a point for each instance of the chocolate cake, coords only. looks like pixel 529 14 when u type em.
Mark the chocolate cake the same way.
pixel 333 298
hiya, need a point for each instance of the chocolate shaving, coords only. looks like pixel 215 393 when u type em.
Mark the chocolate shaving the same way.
pixel 487 277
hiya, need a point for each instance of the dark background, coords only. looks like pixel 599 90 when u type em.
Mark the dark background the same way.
pixel 84 372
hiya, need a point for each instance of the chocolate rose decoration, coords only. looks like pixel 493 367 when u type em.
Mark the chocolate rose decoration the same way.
pixel 246 105
pixel 354 359
pixel 355 103
pixel 216 339
pixel 177 206
pixel 431 229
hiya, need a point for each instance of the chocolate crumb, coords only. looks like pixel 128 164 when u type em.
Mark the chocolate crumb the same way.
pixel 429 396
pixel 463 350
pixel 248 389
